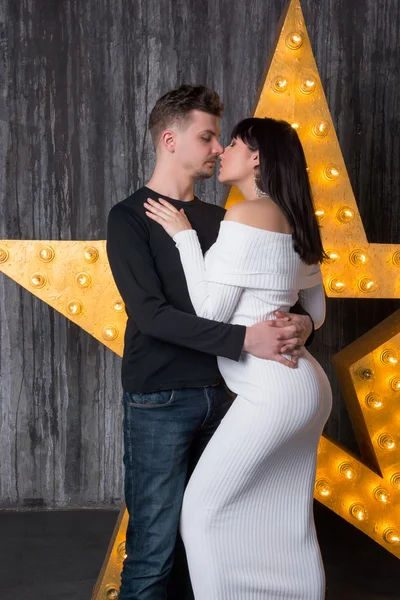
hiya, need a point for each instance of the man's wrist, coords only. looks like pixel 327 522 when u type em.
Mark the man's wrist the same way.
pixel 247 340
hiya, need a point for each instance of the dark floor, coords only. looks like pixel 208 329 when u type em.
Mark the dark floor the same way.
pixel 57 555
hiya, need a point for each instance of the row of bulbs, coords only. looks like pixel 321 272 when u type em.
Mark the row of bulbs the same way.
pixel 357 258
pixel 294 41
pixel 82 279
pixel 357 510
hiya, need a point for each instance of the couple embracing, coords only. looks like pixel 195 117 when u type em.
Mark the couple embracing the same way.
pixel 223 405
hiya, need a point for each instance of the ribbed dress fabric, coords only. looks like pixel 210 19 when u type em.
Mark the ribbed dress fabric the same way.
pixel 247 516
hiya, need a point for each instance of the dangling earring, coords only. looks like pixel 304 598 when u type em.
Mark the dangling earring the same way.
pixel 258 191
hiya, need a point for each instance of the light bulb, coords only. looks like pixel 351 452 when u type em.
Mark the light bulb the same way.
pixel 391 536
pixel 347 471
pixel 321 129
pixel 337 285
pixel 388 357
pixel 295 126
pixel 121 551
pixel 110 333
pixel 333 256
pixel 320 214
pixel 294 40
pixel 367 285
pixel 90 254
pixel 358 512
pixel 345 214
pixel 332 172
pixel 396 258
pixel 83 280
pixel 374 401
pixel 386 441
pixel 4 254
pixel 395 384
pixel 382 495
pixel 308 85
pixel 38 280
pixel 118 306
pixel 74 307
pixel 46 254
pixel 358 258
pixel 395 481
pixel 323 487
pixel 279 84
pixel 366 374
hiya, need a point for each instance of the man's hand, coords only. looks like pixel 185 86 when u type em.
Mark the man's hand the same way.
pixel 285 334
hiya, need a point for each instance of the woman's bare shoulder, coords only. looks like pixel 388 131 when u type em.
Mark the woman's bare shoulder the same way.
pixel 258 213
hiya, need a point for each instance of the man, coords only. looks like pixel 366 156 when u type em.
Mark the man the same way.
pixel 174 397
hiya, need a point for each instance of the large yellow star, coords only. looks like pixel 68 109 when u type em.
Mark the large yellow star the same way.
pixel 74 278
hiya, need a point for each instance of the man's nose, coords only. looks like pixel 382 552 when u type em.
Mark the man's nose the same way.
pixel 218 148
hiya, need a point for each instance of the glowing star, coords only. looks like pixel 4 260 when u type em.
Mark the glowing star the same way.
pixel 292 90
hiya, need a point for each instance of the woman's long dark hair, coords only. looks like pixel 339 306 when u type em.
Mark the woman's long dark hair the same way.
pixel 283 176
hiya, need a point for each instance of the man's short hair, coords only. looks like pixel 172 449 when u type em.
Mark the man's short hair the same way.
pixel 177 104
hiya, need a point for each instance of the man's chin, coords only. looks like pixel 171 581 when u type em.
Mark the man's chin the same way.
pixel 204 174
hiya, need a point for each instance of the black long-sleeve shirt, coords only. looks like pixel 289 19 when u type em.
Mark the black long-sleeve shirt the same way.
pixel 166 345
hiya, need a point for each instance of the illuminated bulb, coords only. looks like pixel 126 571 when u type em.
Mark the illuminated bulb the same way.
pixel 358 258
pixel 294 40
pixel 3 255
pixel 332 172
pixel 386 441
pixel 46 254
pixel 395 481
pixel 336 285
pixel 396 258
pixel 83 280
pixel 323 487
pixel 366 374
pixel 321 129
pixel 110 333
pixel 382 495
pixel 90 254
pixel 121 552
pixel 118 306
pixel 308 85
pixel 367 285
pixel 345 214
pixel 38 280
pixel 391 536
pixel 295 125
pixel 74 307
pixel 388 357
pixel 347 471
pixel 112 594
pixel 333 256
pixel 373 401
pixel 280 84
pixel 320 214
pixel 358 512
pixel 395 384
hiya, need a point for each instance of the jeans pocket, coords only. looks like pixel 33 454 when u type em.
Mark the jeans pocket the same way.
pixel 153 400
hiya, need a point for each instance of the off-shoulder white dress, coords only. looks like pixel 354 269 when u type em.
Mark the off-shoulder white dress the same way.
pixel 247 517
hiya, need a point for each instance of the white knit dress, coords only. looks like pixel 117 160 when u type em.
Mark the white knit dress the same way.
pixel 247 517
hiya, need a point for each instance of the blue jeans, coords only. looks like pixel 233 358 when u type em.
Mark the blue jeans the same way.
pixel 165 434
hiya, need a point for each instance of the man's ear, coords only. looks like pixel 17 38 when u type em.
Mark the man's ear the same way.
pixel 168 140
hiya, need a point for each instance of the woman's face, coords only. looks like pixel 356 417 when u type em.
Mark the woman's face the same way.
pixel 237 163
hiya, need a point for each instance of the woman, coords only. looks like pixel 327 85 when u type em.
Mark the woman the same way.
pixel 247 516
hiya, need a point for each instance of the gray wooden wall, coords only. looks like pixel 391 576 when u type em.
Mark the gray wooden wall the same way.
pixel 79 78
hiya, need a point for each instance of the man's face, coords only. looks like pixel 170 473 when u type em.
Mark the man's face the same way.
pixel 197 147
